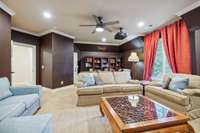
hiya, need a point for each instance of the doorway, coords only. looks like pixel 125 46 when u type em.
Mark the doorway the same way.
pixel 23 64
pixel 75 66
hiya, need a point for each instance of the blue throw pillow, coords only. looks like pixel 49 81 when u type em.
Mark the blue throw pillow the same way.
pixel 88 80
pixel 177 84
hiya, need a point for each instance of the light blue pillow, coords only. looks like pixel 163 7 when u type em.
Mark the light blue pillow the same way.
pixel 88 80
pixel 178 84
pixel 4 88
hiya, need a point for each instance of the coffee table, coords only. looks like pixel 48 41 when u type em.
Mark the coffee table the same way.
pixel 137 113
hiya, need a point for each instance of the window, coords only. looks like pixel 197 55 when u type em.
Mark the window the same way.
pixel 161 66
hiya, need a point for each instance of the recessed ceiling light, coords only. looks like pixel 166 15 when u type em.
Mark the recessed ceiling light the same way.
pixel 103 39
pixel 140 24
pixel 47 14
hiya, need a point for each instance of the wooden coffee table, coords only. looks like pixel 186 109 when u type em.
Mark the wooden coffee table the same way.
pixel 137 113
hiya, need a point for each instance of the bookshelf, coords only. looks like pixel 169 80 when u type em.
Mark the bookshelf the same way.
pixel 101 63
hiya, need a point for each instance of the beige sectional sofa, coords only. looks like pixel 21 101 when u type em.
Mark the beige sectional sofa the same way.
pixel 187 101
pixel 119 83
pixel 114 83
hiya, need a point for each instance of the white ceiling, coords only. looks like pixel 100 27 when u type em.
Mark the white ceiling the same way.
pixel 67 15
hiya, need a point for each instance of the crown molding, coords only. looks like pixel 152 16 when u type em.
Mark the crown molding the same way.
pixel 129 38
pixel 188 8
pixel 96 43
pixel 57 32
pixel 25 31
pixel 6 9
pixel 43 33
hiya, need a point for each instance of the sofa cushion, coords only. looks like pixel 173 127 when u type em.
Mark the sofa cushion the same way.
pixel 112 88
pixel 27 124
pixel 92 90
pixel 133 82
pixel 28 100
pixel 169 95
pixel 11 110
pixel 130 87
pixel 122 77
pixel 107 77
pixel 194 80
pixel 98 80
pixel 178 83
pixel 4 88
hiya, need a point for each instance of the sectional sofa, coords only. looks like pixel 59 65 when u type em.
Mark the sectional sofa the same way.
pixel 114 83
pixel 187 101
pixel 17 105
pixel 120 83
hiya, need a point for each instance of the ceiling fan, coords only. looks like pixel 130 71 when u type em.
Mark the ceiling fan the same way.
pixel 100 26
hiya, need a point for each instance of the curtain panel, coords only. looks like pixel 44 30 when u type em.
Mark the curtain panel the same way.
pixel 150 47
pixel 177 46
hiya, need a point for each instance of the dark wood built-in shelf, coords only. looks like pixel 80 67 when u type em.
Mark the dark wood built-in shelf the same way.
pixel 101 63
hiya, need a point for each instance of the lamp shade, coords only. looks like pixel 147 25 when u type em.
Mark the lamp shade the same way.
pixel 133 57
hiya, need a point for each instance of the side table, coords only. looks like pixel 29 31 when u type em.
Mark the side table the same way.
pixel 144 83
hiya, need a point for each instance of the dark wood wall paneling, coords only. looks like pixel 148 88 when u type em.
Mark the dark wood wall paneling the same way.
pixel 57 58
pixel 124 50
pixel 63 49
pixel 96 50
pixel 5 44
pixel 135 45
pixel 192 20
pixel 46 57
pixel 20 37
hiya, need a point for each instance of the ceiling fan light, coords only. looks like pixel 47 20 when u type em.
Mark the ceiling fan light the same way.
pixel 99 29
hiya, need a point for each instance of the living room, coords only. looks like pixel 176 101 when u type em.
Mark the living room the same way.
pixel 99 66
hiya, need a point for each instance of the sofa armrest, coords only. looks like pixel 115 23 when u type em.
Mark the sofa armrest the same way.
pixel 79 84
pixel 27 90
pixel 191 92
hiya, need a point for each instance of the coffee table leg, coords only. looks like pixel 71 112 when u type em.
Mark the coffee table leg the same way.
pixel 100 108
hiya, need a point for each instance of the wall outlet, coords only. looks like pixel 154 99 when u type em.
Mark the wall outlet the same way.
pixel 62 82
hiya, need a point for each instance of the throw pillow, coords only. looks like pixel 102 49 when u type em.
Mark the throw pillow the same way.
pixel 178 84
pixel 166 81
pixel 4 88
pixel 107 77
pixel 88 80
pixel 122 77
pixel 98 80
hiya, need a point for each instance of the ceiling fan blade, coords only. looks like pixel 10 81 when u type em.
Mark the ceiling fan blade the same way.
pixel 87 25
pixel 108 29
pixel 96 19
pixel 111 23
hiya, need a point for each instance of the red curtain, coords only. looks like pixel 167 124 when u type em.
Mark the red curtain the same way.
pixel 150 47
pixel 177 47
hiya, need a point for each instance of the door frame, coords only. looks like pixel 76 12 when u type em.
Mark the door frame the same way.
pixel 34 71
pixel 75 69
